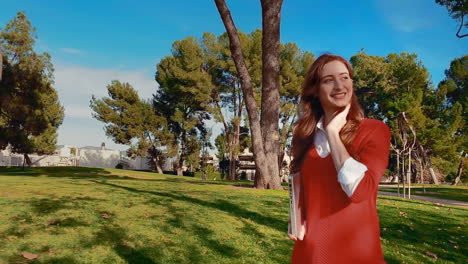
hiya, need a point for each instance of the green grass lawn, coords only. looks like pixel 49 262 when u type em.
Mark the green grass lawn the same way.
pixel 90 215
pixel 459 193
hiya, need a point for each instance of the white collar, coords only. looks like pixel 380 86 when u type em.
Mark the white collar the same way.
pixel 320 124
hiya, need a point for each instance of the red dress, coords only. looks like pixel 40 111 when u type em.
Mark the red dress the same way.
pixel 342 229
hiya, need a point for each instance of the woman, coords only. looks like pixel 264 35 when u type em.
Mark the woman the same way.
pixel 341 157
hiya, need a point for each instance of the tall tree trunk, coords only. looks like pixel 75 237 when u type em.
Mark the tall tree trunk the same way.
pixel 284 135
pixel 459 172
pixel 27 160
pixel 229 140
pixel 235 141
pixel 428 162
pixel 179 169
pixel 204 168
pixel 158 168
pixel 422 174
pixel 271 14
pixel 232 167
pixel 398 168
pixel 408 174
pixel 236 149
pixel 156 165
pixel 410 148
pixel 398 173
pixel 257 177
pixel 403 176
pixel 265 147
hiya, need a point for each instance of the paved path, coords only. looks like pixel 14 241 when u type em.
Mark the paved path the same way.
pixel 423 198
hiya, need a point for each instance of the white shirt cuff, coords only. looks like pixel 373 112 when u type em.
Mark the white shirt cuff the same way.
pixel 350 174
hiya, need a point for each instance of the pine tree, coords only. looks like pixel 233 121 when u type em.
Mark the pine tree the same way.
pixel 30 112
pixel 132 121
pixel 184 97
pixel 452 93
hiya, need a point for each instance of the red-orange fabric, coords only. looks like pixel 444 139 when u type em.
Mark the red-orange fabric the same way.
pixel 342 229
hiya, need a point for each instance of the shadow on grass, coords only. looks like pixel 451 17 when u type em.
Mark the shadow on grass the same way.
pixel 116 237
pixel 61 260
pixel 53 171
pixel 222 205
pixel 424 230
pixel 109 235
pixel 418 202
pixel 458 194
pixel 88 173
pixel 205 235
pixel 391 260
pixel 46 206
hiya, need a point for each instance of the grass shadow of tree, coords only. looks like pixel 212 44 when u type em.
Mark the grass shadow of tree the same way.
pixel 205 235
pixel 418 202
pixel 421 227
pixel 52 171
pixel 219 204
pixel 116 237
pixel 46 206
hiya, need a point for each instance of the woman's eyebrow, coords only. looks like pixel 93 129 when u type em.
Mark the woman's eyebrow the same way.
pixel 331 75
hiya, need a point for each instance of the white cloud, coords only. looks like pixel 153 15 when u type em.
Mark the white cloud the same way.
pixel 71 51
pixel 75 86
pixel 79 83
pixel 408 16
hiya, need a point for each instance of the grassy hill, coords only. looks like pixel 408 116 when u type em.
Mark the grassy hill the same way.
pixel 92 215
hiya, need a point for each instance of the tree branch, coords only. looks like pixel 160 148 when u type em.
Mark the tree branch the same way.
pixel 461 25
pixel 249 99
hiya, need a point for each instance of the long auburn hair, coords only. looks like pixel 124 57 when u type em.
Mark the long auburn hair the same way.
pixel 310 112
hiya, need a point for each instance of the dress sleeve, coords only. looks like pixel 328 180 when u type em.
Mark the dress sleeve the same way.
pixel 374 155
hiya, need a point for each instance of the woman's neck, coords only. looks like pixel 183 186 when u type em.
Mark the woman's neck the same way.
pixel 327 117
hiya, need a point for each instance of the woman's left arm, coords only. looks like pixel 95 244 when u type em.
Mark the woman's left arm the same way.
pixel 374 154
pixel 360 179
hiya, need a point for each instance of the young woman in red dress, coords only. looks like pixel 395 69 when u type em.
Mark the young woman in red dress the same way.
pixel 341 157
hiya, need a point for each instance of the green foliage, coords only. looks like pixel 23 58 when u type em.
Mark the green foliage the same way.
pixel 294 64
pixel 211 174
pixel 221 146
pixel 30 112
pixel 389 86
pixel 132 121
pixel 184 95
pixel 451 143
pixel 456 8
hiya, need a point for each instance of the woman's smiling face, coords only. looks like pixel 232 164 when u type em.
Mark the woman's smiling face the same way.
pixel 336 86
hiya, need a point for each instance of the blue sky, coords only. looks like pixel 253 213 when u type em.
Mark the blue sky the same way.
pixel 94 42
